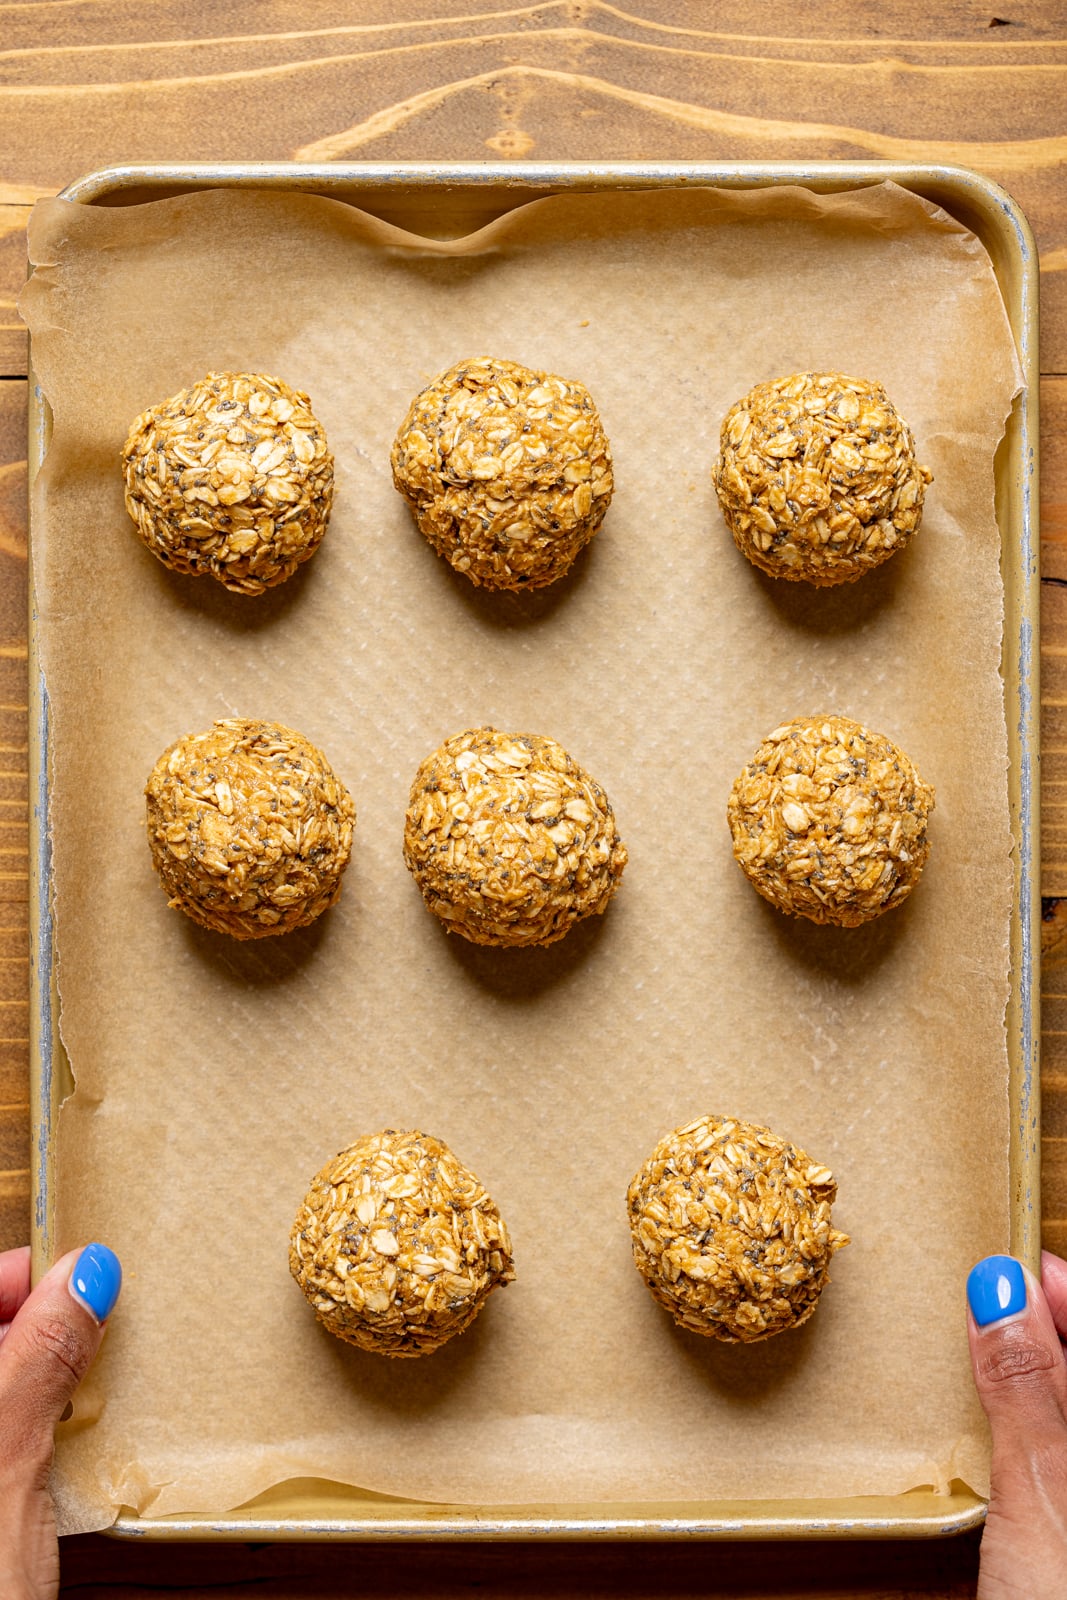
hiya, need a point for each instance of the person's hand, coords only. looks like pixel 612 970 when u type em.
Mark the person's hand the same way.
pixel 48 1339
pixel 1016 1327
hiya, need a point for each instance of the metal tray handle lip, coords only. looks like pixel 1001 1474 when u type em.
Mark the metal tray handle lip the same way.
pixel 92 186
pixel 535 1526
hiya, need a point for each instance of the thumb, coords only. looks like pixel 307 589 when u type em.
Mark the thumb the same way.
pixel 49 1347
pixel 1016 1353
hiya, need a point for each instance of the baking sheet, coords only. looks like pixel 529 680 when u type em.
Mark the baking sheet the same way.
pixel 204 1105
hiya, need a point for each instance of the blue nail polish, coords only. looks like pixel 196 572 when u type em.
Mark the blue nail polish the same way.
pixel 996 1289
pixel 97 1279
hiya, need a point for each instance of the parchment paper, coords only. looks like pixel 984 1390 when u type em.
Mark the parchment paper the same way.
pixel 214 1078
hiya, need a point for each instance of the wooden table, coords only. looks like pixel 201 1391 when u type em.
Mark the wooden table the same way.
pixel 85 83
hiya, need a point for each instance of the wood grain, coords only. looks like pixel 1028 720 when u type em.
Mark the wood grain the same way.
pixel 87 83
pixel 14 825
pixel 880 1571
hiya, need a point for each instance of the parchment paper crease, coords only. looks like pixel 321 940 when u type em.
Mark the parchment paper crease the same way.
pixel 214 1078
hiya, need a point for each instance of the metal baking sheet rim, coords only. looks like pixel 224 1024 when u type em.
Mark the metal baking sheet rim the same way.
pixel 325 1511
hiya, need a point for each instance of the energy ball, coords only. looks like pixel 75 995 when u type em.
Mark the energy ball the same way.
pixel 232 477
pixel 509 840
pixel 731 1229
pixel 397 1246
pixel 507 471
pixel 249 828
pixel 817 477
pixel 829 821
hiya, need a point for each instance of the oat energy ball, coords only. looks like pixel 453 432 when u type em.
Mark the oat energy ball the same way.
pixel 510 841
pixel 829 821
pixel 507 471
pixel 731 1229
pixel 817 477
pixel 232 477
pixel 397 1245
pixel 249 828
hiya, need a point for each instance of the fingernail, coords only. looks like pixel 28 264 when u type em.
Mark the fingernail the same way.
pixel 96 1280
pixel 996 1289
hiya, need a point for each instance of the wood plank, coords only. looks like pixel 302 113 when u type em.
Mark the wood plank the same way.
pixel 14 1089
pixel 904 1569
pixel 1053 1175
pixel 14 860
pixel 1054 466
pixel 15 1137
pixel 14 1207
pixel 13 600
pixel 962 27
pixel 1053 703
